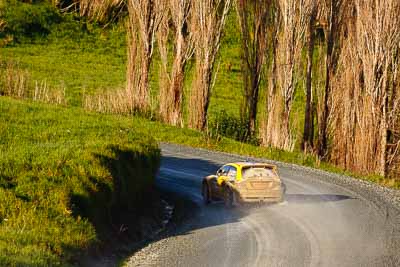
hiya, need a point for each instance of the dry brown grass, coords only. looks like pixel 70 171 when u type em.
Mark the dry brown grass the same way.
pixel 115 102
pixel 15 82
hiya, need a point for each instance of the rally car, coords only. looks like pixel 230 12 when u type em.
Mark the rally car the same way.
pixel 243 182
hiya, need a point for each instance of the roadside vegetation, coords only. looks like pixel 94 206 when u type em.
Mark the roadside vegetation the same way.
pixel 68 179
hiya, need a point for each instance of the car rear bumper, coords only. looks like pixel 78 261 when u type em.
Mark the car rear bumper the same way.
pixel 261 199
pixel 271 197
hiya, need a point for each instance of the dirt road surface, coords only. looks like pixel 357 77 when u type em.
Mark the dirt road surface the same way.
pixel 325 220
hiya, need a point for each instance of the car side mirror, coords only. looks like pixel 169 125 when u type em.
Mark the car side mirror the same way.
pixel 219 172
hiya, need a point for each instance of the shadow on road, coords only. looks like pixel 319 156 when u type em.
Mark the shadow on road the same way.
pixel 314 198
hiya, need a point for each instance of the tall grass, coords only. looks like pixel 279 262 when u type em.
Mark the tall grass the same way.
pixel 17 83
pixel 112 102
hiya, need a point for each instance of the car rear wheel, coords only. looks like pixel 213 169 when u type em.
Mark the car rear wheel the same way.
pixel 229 198
pixel 283 188
pixel 283 192
pixel 206 193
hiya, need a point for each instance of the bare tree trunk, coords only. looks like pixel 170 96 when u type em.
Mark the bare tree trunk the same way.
pixel 176 89
pixel 144 18
pixel 323 122
pixel 308 133
pixel 208 20
pixel 171 92
pixel 293 21
pixel 367 73
pixel 335 11
pixel 383 142
pixel 267 136
pixel 200 99
pixel 253 20
pixel 393 118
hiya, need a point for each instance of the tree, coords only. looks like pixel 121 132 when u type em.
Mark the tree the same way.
pixel 172 81
pixel 291 24
pixel 367 108
pixel 208 20
pixel 145 17
pixel 253 19
pixel 335 11
pixel 308 132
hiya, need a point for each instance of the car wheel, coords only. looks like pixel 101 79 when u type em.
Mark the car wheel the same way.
pixel 206 194
pixel 229 198
pixel 282 193
pixel 283 188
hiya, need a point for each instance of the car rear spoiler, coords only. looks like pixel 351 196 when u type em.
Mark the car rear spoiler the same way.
pixel 263 165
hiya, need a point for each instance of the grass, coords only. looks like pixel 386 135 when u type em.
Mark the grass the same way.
pixel 80 67
pixel 64 176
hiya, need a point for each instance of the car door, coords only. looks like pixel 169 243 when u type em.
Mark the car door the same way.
pixel 232 174
pixel 216 183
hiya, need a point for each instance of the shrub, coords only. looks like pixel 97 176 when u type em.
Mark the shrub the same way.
pixel 29 21
pixel 229 126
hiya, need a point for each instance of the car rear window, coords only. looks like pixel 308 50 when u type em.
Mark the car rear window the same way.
pixel 257 172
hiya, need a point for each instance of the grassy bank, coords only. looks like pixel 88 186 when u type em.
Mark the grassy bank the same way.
pixel 65 178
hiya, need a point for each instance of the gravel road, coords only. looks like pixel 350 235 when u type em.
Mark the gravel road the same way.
pixel 325 220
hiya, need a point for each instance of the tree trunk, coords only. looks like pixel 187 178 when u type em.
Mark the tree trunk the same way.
pixel 177 83
pixel 207 23
pixel 308 133
pixel 253 106
pixel 144 19
pixel 323 123
pixel 267 135
pixel 200 98
pixel 253 20
pixel 142 97
pixel 384 136
pixel 172 81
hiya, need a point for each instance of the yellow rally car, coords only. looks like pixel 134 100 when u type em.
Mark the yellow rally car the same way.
pixel 243 182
